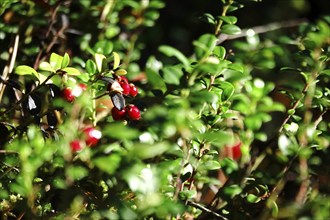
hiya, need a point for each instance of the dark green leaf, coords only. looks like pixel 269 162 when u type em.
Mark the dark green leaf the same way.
pixel 208 18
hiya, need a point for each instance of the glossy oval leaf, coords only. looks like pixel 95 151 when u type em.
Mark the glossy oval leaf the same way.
pixel 228 19
pixel 90 67
pixel 230 29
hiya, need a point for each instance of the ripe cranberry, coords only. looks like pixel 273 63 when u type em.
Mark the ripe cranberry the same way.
pixel 68 95
pixel 133 90
pixel 237 151
pixel 83 86
pixel 126 88
pixel 76 145
pixel 92 136
pixel 122 79
pixel 234 151
pixel 133 112
pixel 118 114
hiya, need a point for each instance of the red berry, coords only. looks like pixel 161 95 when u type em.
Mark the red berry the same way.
pixel 133 90
pixel 122 79
pixel 126 88
pixel 68 95
pixel 118 114
pixel 133 112
pixel 83 86
pixel 75 145
pixel 92 136
pixel 236 150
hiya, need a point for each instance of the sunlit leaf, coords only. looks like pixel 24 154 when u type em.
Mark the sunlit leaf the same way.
pixel 71 71
pixel 26 70
pixel 55 61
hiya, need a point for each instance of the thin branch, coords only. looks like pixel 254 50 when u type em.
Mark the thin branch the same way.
pixel 262 29
pixel 198 206
pixel 9 68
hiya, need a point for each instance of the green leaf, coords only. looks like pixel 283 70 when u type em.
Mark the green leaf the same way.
pixel 274 208
pixel 232 190
pixel 220 52
pixel 71 71
pixel 171 51
pixel 208 18
pixel 152 71
pixel 120 131
pixel 172 75
pixel 228 90
pixel 228 19
pixel 216 138
pixel 99 60
pixel 76 172
pixel 210 165
pixel 187 194
pixel 55 61
pixel 121 72
pixel 205 45
pixel 146 151
pixel 103 47
pixel 326 72
pixel 230 29
pixel 116 60
pixel 108 164
pixel 26 70
pixel 45 66
pixel 252 198
pixel 65 61
pixel 90 67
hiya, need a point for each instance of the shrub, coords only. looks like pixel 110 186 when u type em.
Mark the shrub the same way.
pixel 232 131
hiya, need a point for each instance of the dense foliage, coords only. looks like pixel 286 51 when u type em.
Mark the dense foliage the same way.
pixel 92 126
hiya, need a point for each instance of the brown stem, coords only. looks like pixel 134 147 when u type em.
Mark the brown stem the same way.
pixel 262 29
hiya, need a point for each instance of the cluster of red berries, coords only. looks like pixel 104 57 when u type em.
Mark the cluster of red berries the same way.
pixel 120 111
pixel 118 88
pixel 91 137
